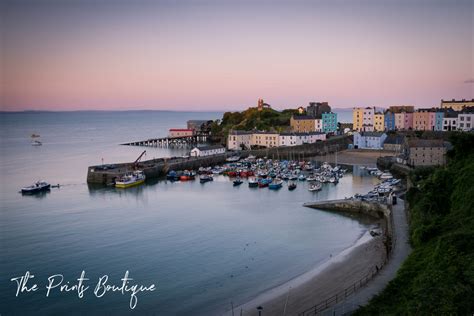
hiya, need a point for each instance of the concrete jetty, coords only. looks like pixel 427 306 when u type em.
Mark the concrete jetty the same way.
pixel 377 210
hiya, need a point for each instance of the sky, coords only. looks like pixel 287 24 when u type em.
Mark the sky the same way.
pixel 224 55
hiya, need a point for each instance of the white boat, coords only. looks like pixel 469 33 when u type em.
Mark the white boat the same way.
pixel 386 175
pixel 36 143
pixel 233 159
pixel 130 179
pixel 314 187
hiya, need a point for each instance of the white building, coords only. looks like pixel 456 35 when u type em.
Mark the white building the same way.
pixel 287 139
pixel 318 125
pixel 369 140
pixel 450 123
pixel 309 138
pixel 238 139
pixel 207 151
pixel 465 122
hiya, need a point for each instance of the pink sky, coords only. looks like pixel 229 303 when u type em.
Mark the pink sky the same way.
pixel 220 56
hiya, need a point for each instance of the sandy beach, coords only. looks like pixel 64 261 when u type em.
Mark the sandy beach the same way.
pixel 355 157
pixel 322 282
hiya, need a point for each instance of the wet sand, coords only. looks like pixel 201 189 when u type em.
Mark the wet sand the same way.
pixel 355 157
pixel 321 283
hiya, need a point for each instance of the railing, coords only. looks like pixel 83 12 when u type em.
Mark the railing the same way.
pixel 342 295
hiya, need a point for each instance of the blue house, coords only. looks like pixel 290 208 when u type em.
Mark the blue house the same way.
pixel 439 121
pixel 329 122
pixel 389 120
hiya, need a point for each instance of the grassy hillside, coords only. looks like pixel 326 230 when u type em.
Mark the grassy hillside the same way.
pixel 267 119
pixel 438 277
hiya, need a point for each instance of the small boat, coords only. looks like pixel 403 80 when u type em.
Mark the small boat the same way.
pixel 205 178
pixel 130 179
pixel 187 175
pixel 314 187
pixel 36 143
pixel 39 186
pixel 386 175
pixel 262 183
pixel 276 184
pixel 311 178
pixel 233 159
pixel 253 183
pixel 291 186
pixel 172 176
pixel 237 182
pixel 302 177
pixel 35 135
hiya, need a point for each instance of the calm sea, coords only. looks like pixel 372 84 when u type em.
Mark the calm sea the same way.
pixel 203 246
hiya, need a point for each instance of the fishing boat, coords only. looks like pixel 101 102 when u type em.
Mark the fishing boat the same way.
pixel 130 179
pixel 205 178
pixel 172 176
pixel 291 186
pixel 253 182
pixel 276 184
pixel 262 183
pixel 187 175
pixel 39 186
pixel 314 187
pixel 237 182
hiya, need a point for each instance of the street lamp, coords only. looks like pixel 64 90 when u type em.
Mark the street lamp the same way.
pixel 260 308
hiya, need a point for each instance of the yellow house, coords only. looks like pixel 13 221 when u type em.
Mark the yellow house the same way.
pixel 265 139
pixel 379 124
pixel 457 105
pixel 302 124
pixel 357 118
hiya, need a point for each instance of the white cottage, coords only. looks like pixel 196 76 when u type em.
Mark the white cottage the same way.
pixel 369 140
pixel 207 151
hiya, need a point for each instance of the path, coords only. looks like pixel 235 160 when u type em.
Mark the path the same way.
pixel 399 253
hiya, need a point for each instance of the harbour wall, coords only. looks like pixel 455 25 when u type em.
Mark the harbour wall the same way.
pixel 156 168
pixel 375 210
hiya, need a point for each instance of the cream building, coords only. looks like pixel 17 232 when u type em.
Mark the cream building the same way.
pixel 357 118
pixel 238 139
pixel 265 139
pixel 457 105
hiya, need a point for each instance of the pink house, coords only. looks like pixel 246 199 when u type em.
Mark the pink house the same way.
pixel 408 120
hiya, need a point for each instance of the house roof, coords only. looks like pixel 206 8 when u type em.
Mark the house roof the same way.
pixel 425 143
pixel 303 117
pixel 204 148
pixel 395 139
pixel 372 134
pixel 240 132
pixel 180 130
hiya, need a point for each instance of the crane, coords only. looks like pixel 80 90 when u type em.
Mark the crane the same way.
pixel 135 163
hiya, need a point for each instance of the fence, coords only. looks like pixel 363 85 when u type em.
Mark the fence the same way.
pixel 342 295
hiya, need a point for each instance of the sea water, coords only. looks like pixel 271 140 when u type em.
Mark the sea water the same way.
pixel 204 247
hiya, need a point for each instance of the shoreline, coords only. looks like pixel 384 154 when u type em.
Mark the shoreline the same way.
pixel 322 281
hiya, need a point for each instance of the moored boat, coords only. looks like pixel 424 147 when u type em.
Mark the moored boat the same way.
pixel 253 182
pixel 130 179
pixel 237 182
pixel 291 186
pixel 314 187
pixel 39 186
pixel 275 184
pixel 205 178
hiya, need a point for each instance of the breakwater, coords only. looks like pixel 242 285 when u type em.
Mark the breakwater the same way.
pixel 377 210
pixel 155 168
